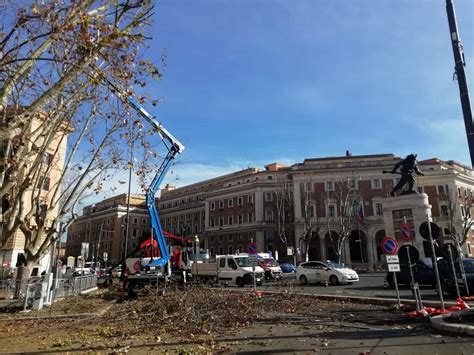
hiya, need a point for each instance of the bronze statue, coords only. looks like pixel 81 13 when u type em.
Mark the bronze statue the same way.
pixel 407 171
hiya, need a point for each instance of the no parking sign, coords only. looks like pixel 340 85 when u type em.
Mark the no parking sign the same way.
pixel 389 245
pixel 405 231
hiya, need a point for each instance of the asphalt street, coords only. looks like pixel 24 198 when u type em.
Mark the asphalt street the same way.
pixel 369 285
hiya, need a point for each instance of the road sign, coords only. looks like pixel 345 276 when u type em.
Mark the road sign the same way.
pixel 252 248
pixel 425 233
pixel 392 259
pixel 403 254
pixel 393 267
pixel 389 245
pixel 253 259
pixel 405 231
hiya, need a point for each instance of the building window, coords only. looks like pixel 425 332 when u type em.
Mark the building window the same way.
pixel 221 204
pixel 352 183
pixel 230 237
pixel 231 221
pixel 331 211
pixel 239 201
pixel 269 177
pixel 212 222
pixel 221 252
pixel 144 221
pixel 230 251
pixel 376 184
pixel 329 185
pixel 250 217
pixel 135 221
pixel 250 199
pixel 459 192
pixel 212 239
pixel 444 210
pixel 463 211
pixel 268 216
pixel 211 251
pixel 378 209
pixel 221 238
pixel 469 249
pixel 440 189
pixel 47 158
pixel 213 206
pixel 43 183
pixel 221 221
pixel 240 237
pixel 268 197
pixel 230 202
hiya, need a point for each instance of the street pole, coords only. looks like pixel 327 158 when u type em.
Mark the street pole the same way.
pixel 454 270
pixel 459 64
pixel 98 245
pixel 435 265
pixel 416 290
pixel 396 288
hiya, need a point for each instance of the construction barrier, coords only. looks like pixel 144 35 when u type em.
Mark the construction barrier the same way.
pixel 430 311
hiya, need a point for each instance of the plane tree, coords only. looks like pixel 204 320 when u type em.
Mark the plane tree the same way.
pixel 63 133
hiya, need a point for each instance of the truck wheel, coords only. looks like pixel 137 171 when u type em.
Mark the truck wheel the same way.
pixel 303 280
pixel 333 280
pixel 240 282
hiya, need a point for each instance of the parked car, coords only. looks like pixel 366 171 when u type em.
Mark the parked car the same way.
pixel 423 273
pixel 320 272
pixel 287 267
pixel 447 277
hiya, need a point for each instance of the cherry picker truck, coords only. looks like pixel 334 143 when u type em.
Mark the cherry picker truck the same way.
pixel 153 270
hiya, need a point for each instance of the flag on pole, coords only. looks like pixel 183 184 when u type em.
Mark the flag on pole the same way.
pixel 360 214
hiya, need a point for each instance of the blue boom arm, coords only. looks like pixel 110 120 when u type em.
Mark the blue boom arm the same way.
pixel 175 148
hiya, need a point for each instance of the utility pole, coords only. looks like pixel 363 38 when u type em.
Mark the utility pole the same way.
pixel 460 75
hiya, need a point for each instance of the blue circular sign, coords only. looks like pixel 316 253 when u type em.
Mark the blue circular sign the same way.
pixel 405 231
pixel 252 248
pixel 389 245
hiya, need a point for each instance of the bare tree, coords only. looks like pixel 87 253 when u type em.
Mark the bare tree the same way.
pixel 311 221
pixel 285 207
pixel 345 201
pixel 455 211
pixel 62 134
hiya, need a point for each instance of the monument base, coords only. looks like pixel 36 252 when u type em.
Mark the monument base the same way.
pixel 413 209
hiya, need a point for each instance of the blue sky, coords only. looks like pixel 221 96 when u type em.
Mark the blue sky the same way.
pixel 248 83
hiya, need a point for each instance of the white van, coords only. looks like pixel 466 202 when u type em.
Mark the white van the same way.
pixel 229 270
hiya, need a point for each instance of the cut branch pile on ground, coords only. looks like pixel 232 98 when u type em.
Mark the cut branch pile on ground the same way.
pixel 197 314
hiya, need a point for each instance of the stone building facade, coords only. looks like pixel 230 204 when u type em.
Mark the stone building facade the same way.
pixel 246 206
pixel 104 226
pixel 43 188
pixel 291 211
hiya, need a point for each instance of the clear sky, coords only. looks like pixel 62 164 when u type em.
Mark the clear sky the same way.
pixel 248 83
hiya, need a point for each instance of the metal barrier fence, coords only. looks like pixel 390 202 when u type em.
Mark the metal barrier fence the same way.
pixel 29 291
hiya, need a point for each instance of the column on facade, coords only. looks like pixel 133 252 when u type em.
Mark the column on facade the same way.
pixel 371 252
pixel 322 246
pixel 347 252
pixel 259 217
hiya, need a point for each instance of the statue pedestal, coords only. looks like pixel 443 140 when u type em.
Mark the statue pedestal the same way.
pixel 415 209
